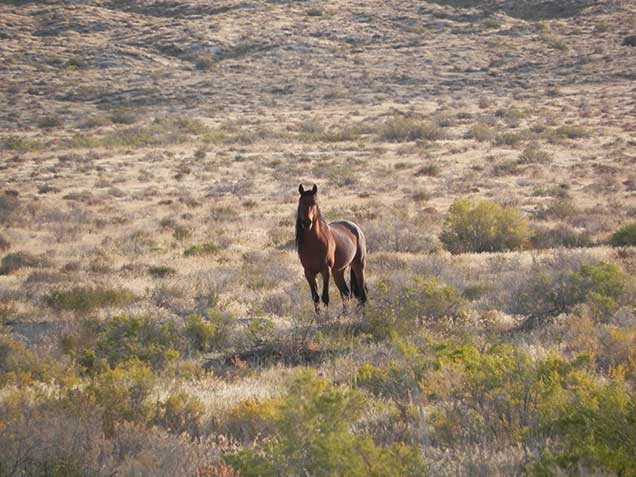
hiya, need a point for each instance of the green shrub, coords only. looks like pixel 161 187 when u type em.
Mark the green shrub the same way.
pixel 123 116
pixel 180 413
pixel 483 226
pixel 252 419
pixel 593 428
pixel 509 139
pixel 473 395
pixel 480 133
pixel 121 394
pixel 204 334
pixel 399 129
pixel 400 379
pixel 66 466
pixel 625 236
pixel 207 248
pixel 21 144
pixel 154 342
pixel 21 365
pixel 432 299
pixel 396 310
pixel 552 291
pixel 601 287
pixel 85 299
pixel 143 339
pixel 161 271
pixel 566 132
pixel 314 437
pixel 495 394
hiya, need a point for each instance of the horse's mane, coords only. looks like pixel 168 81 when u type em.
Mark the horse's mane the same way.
pixel 299 233
pixel 300 230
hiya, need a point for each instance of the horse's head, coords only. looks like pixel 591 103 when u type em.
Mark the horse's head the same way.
pixel 307 207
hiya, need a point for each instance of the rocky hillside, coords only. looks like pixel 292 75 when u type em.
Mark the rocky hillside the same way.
pixel 76 58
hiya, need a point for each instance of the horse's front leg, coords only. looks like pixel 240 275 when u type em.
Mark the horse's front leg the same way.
pixel 325 285
pixel 311 279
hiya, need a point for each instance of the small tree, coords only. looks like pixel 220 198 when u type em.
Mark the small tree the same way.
pixel 625 236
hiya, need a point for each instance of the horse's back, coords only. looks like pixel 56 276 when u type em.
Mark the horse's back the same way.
pixel 350 242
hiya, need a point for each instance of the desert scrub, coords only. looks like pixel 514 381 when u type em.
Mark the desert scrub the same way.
pixel 552 289
pixel 252 419
pixel 554 136
pixel 4 245
pixel 399 380
pixel 180 413
pixel 123 116
pixel 397 309
pixel 319 134
pixel 161 271
pixel 161 132
pixel 49 122
pixel 313 436
pixel 207 248
pixel 124 338
pixel 209 332
pixel 9 207
pixel 64 435
pixel 400 129
pixel 559 208
pixel 155 342
pixel 511 139
pixel 499 395
pixel 121 394
pixel 533 154
pixel 592 425
pixel 625 236
pixel 480 132
pixel 20 365
pixel 561 235
pixel 85 299
pixel 483 226
pixel 17 260
pixel 21 144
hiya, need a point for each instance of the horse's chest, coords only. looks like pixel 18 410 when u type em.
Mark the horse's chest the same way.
pixel 316 256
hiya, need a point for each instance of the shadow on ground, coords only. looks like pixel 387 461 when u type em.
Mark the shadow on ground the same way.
pixel 531 10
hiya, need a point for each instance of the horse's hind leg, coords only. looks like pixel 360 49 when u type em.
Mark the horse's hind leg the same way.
pixel 341 283
pixel 360 286
pixel 311 279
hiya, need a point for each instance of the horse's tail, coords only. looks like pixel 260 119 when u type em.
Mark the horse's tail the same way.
pixel 358 282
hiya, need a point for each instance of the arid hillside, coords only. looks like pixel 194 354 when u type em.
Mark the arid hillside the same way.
pixel 154 317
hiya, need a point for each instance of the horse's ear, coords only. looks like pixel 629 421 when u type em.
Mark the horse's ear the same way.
pixel 315 189
pixel 301 189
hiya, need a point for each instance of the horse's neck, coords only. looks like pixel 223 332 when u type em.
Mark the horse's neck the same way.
pixel 319 232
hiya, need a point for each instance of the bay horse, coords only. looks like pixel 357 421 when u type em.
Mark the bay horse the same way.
pixel 329 249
